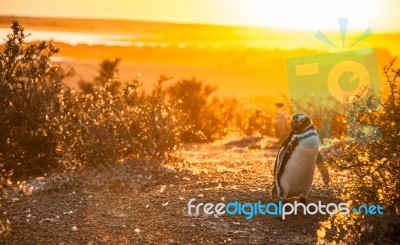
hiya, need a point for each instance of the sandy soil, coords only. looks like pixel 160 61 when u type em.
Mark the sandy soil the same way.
pixel 143 203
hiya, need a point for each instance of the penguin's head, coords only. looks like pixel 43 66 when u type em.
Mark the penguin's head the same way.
pixel 300 122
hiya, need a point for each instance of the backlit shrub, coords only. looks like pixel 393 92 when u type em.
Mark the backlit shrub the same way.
pixel 373 170
pixel 44 124
pixel 30 85
pixel 108 125
pixel 214 118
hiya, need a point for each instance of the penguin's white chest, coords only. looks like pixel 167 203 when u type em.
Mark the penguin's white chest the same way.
pixel 298 172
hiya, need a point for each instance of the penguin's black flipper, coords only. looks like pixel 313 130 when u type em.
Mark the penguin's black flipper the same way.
pixel 278 162
pixel 282 151
pixel 322 169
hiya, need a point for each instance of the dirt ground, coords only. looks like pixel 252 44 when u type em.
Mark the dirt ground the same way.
pixel 143 203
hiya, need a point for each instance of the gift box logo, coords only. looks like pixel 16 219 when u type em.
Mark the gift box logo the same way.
pixel 344 84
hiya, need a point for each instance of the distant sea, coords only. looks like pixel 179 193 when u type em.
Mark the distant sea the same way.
pixel 74 38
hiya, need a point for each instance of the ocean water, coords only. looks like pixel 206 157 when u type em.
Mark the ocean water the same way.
pixel 74 38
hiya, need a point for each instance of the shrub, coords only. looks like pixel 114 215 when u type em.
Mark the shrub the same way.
pixel 30 86
pixel 192 97
pixel 373 176
pixel 107 72
pixel 108 125
pixel 5 181
pixel 213 118
pixel 220 116
pixel 324 108
pixel 44 124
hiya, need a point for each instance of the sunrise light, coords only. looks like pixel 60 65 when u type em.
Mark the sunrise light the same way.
pixel 295 15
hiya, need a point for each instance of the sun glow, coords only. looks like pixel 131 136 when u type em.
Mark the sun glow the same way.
pixel 312 14
pixel 284 14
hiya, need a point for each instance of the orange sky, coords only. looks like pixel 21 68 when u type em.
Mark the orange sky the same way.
pixel 380 15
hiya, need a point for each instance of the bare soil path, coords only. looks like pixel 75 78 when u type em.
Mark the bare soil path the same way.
pixel 142 203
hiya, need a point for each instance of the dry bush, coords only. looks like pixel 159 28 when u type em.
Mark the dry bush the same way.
pixel 214 118
pixel 109 125
pixel 108 70
pixel 45 125
pixel 220 117
pixel 373 170
pixel 192 96
pixel 5 181
pixel 30 85
pixel 255 120
pixel 328 115
pixel 230 115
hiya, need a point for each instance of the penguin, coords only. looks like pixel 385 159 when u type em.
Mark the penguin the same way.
pixel 296 160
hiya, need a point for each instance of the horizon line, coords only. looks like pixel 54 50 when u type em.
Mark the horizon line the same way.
pixel 274 28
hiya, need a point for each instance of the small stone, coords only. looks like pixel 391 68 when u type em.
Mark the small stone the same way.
pixel 74 228
pixel 137 230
